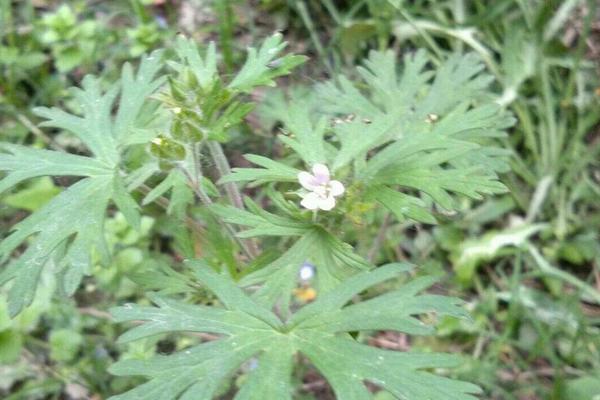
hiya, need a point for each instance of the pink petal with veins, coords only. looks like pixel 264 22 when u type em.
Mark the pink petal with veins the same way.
pixel 321 173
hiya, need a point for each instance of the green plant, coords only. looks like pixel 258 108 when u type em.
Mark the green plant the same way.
pixel 144 37
pixel 412 140
pixel 73 43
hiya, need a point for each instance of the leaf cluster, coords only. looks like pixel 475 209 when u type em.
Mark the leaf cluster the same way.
pixel 404 139
pixel 408 140
pixel 69 228
pixel 320 332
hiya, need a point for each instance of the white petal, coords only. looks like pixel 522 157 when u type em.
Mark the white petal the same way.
pixel 327 203
pixel 307 180
pixel 336 188
pixel 310 201
pixel 321 173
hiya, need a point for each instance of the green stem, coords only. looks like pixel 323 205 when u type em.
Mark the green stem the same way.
pixel 425 35
pixel 550 152
pixel 302 9
pixel 224 169
pixel 226 24
pixel 207 201
pixel 233 192
pixel 550 270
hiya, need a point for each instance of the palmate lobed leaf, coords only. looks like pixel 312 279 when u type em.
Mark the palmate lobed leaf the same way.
pixel 203 68
pixel 425 134
pixel 76 214
pixel 70 226
pixel 271 171
pixel 333 260
pixel 318 331
pixel 23 163
pixel 436 128
pixel 261 66
pixel 260 222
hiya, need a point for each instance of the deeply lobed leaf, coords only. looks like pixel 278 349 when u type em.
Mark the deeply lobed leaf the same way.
pixel 70 226
pixel 425 135
pixel 252 332
pixel 262 66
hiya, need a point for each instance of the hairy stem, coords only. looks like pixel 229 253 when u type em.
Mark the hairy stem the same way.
pixel 206 200
pixel 233 192
pixel 218 156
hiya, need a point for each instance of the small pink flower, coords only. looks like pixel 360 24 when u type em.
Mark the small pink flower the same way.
pixel 322 191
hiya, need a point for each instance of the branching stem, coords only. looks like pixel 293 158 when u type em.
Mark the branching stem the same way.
pixel 207 201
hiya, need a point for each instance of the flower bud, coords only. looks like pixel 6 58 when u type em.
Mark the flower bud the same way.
pixel 167 149
pixel 186 132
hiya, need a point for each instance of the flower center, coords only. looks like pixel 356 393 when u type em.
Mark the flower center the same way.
pixel 323 190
